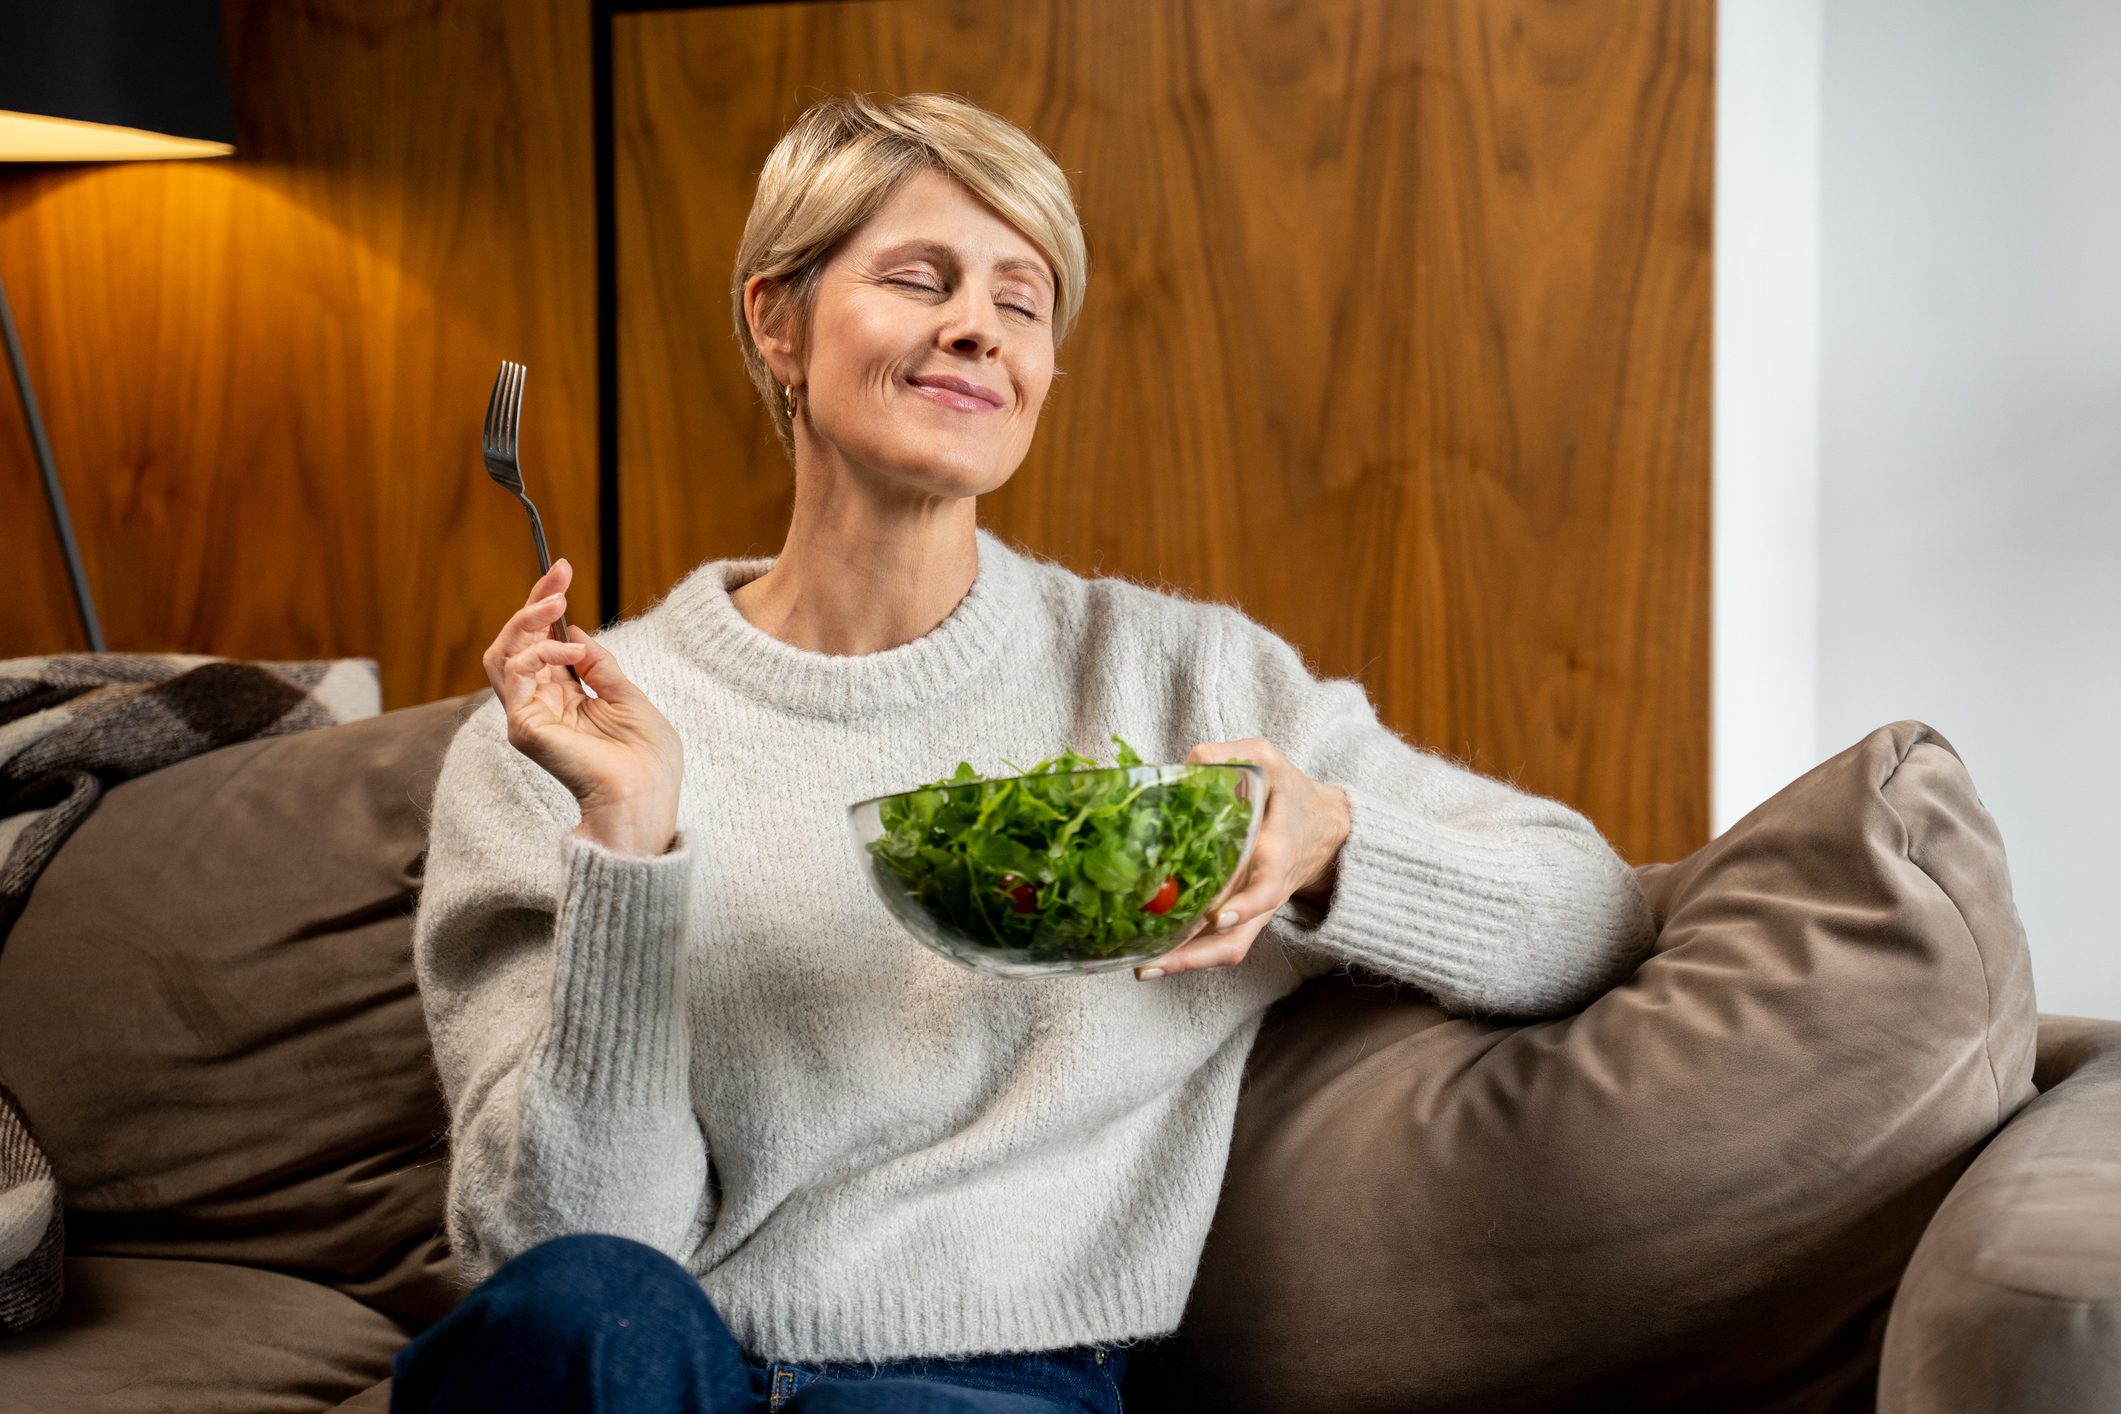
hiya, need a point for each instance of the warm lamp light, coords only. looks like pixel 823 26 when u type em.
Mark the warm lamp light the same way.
pixel 104 81
pixel 25 137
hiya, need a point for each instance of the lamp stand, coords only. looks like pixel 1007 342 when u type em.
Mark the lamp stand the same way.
pixel 52 493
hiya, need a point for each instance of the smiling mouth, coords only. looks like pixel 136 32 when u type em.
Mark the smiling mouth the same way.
pixel 953 399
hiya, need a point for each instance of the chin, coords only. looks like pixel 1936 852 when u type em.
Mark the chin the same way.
pixel 950 479
pixel 970 473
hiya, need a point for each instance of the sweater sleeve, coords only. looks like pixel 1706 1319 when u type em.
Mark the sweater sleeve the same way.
pixel 550 970
pixel 1491 899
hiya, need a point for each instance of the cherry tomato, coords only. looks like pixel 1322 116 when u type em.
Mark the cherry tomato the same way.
pixel 1024 896
pixel 1165 896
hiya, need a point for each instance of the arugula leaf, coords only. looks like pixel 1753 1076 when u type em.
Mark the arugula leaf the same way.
pixel 1093 844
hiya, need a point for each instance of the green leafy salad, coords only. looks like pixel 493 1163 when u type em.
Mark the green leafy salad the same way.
pixel 1055 864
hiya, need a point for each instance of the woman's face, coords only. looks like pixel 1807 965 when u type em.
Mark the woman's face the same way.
pixel 935 286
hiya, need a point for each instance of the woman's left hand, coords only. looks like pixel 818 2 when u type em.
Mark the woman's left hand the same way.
pixel 1297 852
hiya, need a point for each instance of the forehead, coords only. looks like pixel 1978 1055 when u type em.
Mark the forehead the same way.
pixel 934 215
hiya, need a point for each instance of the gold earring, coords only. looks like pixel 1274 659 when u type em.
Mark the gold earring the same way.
pixel 788 399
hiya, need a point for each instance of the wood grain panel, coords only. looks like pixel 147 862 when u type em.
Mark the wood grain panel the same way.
pixel 264 376
pixel 1397 335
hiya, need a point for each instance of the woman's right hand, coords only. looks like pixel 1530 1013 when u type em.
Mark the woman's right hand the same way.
pixel 619 756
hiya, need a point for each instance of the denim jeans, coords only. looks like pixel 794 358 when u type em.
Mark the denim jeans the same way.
pixel 592 1322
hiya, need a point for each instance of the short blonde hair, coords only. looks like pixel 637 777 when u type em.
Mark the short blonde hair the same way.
pixel 842 160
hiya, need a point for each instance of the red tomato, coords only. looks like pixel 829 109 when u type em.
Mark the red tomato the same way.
pixel 1165 896
pixel 1024 896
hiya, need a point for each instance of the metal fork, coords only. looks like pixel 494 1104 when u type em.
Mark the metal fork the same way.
pixel 504 417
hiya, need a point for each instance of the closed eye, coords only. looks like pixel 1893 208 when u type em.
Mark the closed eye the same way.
pixel 930 289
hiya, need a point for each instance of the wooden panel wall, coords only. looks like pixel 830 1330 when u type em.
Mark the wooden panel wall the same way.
pixel 1397 334
pixel 264 375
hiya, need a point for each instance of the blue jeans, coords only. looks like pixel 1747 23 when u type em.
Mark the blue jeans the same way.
pixel 592 1322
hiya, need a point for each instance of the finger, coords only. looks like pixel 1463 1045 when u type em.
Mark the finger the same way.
pixel 554 580
pixel 597 667
pixel 525 626
pixel 1202 953
pixel 543 653
pixel 531 622
pixel 520 673
pixel 1254 749
pixel 1259 892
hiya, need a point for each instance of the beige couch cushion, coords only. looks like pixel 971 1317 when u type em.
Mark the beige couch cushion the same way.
pixel 208 1012
pixel 143 1335
pixel 1698 1192
pixel 373 1400
pixel 2013 1299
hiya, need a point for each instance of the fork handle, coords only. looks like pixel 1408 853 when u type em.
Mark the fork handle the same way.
pixel 558 630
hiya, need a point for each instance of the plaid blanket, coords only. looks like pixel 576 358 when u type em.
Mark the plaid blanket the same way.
pixel 71 724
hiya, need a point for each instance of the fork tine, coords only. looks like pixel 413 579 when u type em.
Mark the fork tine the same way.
pixel 514 412
pixel 493 411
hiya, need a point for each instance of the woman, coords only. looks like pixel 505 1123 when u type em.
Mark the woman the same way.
pixel 724 1138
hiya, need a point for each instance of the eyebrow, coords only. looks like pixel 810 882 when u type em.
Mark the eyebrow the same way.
pixel 939 251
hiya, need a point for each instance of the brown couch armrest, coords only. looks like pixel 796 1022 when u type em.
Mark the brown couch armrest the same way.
pixel 2013 1297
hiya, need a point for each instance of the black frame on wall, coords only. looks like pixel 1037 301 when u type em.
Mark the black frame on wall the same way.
pixel 601 17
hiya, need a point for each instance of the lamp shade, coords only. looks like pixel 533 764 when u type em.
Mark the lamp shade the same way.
pixel 105 80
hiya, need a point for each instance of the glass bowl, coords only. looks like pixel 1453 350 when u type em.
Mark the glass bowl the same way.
pixel 1058 872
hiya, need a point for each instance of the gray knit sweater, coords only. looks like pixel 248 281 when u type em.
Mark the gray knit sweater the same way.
pixel 733 1053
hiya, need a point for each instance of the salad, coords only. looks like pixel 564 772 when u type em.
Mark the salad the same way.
pixel 1068 859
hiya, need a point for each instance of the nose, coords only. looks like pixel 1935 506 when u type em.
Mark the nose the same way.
pixel 970 325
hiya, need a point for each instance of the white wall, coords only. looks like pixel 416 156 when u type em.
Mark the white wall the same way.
pixel 1970 548
pixel 1966 473
pixel 1764 548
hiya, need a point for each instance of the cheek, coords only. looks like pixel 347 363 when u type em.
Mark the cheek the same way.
pixel 1035 388
pixel 860 346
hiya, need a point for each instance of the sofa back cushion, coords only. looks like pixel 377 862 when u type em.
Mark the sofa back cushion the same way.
pixel 1698 1192
pixel 208 1011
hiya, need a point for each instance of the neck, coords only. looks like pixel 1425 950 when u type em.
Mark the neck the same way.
pixel 856 577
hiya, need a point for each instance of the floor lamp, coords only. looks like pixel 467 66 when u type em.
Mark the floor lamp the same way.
pixel 103 81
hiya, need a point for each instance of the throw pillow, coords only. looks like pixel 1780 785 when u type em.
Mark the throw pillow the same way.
pixel 208 1009
pixel 1698 1192
pixel 71 725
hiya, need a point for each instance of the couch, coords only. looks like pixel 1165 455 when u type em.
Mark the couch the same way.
pixel 1820 1152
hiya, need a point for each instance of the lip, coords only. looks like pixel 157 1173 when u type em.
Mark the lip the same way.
pixel 956 392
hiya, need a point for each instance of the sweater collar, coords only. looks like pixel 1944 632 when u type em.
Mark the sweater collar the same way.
pixel 706 625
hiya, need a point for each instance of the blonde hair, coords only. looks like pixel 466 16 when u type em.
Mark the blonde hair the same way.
pixel 842 160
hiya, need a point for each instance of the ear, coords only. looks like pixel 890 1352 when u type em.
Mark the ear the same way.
pixel 771 314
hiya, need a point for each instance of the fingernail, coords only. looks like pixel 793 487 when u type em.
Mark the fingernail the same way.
pixel 1225 918
pixel 1148 974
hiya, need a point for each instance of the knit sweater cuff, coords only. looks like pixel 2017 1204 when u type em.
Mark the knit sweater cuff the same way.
pixel 1422 902
pixel 618 1031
